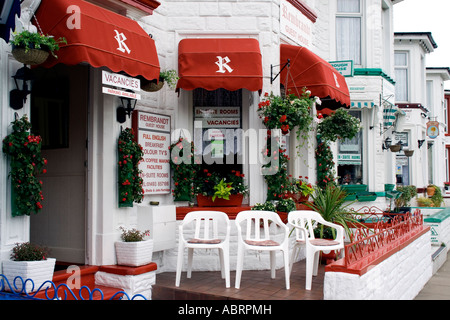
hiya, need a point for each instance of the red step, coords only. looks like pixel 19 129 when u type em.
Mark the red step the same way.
pixel 87 278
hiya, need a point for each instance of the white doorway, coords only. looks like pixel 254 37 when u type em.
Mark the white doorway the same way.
pixel 59 115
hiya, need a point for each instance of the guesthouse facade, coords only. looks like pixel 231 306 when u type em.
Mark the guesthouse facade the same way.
pixel 227 56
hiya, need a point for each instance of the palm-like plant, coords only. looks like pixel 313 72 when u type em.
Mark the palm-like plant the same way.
pixel 330 203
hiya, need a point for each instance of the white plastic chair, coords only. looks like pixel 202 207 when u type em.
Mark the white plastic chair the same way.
pixel 304 222
pixel 258 237
pixel 206 236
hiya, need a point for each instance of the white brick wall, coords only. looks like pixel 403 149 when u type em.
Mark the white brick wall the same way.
pixel 399 277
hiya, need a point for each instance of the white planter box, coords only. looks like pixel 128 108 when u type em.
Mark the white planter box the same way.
pixel 37 271
pixel 161 221
pixel 134 254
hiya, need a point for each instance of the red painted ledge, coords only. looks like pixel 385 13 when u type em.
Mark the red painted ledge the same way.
pixel 129 271
pixel 362 266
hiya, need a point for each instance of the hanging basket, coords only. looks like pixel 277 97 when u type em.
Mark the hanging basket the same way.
pixel 31 56
pixel 395 148
pixel 409 153
pixel 152 86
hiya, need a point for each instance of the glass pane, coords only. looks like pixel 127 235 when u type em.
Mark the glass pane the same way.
pixel 352 6
pixel 401 85
pixel 400 59
pixel 348 39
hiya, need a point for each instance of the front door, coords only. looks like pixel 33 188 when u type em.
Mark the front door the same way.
pixel 59 115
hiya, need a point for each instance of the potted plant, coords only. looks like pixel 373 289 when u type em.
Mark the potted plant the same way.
pixel 135 249
pixel 26 161
pixel 169 76
pixel 402 202
pixel 299 190
pixel 330 202
pixel 214 189
pixel 34 48
pixel 424 202
pixel 28 261
pixel 437 197
pixel 430 190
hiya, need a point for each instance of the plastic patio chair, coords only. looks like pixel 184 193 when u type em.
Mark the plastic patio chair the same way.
pixel 304 222
pixel 211 231
pixel 258 237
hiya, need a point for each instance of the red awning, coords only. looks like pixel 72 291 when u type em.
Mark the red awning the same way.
pixel 317 75
pixel 231 64
pixel 99 37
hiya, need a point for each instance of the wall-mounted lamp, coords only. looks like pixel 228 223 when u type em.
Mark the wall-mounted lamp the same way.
pixel 18 97
pixel 420 143
pixel 386 143
pixel 127 107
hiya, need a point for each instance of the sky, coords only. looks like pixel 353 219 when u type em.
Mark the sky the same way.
pixel 427 16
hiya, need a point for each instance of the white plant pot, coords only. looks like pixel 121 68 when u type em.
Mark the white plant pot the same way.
pixel 134 254
pixel 38 271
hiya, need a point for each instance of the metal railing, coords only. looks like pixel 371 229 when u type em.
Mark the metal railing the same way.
pixel 384 233
pixel 49 291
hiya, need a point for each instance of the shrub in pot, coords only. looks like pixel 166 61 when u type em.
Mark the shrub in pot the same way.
pixel 134 250
pixel 30 263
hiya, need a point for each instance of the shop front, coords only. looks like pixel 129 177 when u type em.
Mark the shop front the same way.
pixel 73 107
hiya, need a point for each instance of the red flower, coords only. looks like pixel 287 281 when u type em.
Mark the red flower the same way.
pixel 283 118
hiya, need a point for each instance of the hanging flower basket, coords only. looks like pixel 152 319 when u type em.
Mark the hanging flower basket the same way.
pixel 33 48
pixel 30 56
pixel 395 148
pixel 24 151
pixel 151 86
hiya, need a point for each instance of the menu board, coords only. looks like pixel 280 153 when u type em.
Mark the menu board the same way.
pixel 153 134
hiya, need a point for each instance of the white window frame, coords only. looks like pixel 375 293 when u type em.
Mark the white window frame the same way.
pixel 403 68
pixel 362 32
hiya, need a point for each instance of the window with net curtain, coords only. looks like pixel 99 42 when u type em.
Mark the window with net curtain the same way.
pixel 401 76
pixel 348 30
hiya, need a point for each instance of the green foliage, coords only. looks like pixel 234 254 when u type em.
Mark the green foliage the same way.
pixel 325 164
pixel 222 190
pixel 33 40
pixel 130 182
pixel 407 193
pixel 206 182
pixel 28 252
pixel 277 177
pixel 184 169
pixel 437 197
pixel 287 113
pixel 170 77
pixel 340 125
pixel 424 202
pixel 286 205
pixel 133 235
pixel 24 150
pixel 266 206
pixel 330 203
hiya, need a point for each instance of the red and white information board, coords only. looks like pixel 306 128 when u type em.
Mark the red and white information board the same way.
pixel 153 134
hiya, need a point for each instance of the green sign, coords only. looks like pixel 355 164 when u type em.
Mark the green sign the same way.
pixel 344 67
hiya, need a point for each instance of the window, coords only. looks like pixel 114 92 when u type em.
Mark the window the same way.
pixel 350 160
pixel 220 113
pixel 401 76
pixel 348 30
